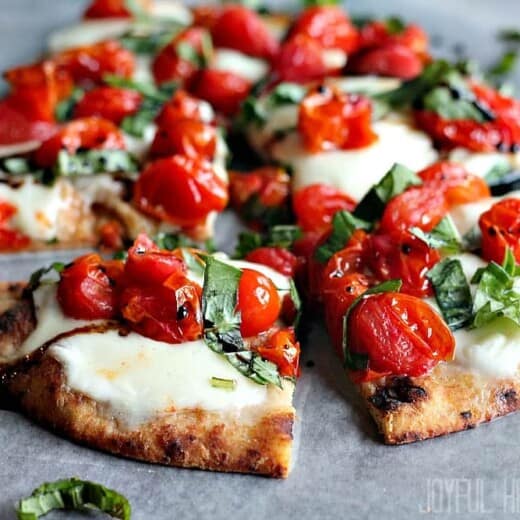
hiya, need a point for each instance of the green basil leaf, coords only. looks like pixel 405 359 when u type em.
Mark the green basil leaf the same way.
pixel 146 44
pixel 16 165
pixel 452 292
pixel 353 360
pixel 498 172
pixel 504 66
pixel 91 162
pixel 372 205
pixel 444 102
pixel 152 93
pixel 36 278
pixel 252 112
pixel 65 108
pixel 196 264
pixel 510 35
pixel 287 94
pixel 443 236
pixel 343 226
pixel 73 494
pixel 395 25
pixel 283 236
pixel 248 241
pixel 297 302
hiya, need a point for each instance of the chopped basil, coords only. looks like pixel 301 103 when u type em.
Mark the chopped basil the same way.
pixel 343 226
pixel 248 241
pixel 147 89
pixel 510 36
pixel 277 236
pixel 443 236
pixel 91 162
pixel 395 25
pixel 452 292
pixel 353 360
pixel 226 384
pixel 188 52
pixel 73 495
pixel 196 264
pixel 222 323
pixel 65 108
pixel 449 106
pixel 254 210
pixel 372 205
pixel 297 302
pixel 147 44
pixel 16 165
pixel 171 241
pixel 504 66
pixel 287 94
pixel 472 239
pixel 497 295
pixel 36 278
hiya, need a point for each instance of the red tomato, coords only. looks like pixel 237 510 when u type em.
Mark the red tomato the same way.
pixel 376 34
pixel 458 186
pixel 329 26
pixel 309 269
pixel 186 137
pixel 329 120
pixel 405 257
pixel 419 206
pixel 109 103
pixel 107 9
pixel 147 264
pixel 394 60
pixel 500 227
pixel 88 64
pixel 300 59
pixel 283 350
pixel 242 29
pixel 168 65
pixel 206 15
pixel 316 204
pixel 258 302
pixel 402 335
pixel 16 127
pixel 277 258
pixel 180 106
pixel 180 189
pixel 111 235
pixel 88 133
pixel 10 239
pixel 225 91
pixel 88 288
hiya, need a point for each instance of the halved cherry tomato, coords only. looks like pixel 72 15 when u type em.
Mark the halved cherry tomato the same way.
pixel 277 258
pixel 500 227
pixel 419 206
pixel 87 133
pixel 393 60
pixel 391 256
pixel 88 288
pixel 17 127
pixel 329 120
pixel 111 235
pixel 110 103
pixel 242 29
pixel 170 65
pixel 107 9
pixel 316 204
pixel 300 59
pixel 186 137
pixel 10 239
pixel 181 106
pixel 309 271
pixel 401 335
pixel 329 26
pixel 180 189
pixel 89 63
pixel 283 350
pixel 377 34
pixel 458 186
pixel 258 302
pixel 224 90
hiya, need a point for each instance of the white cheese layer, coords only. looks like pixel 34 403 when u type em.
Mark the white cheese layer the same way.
pixel 39 206
pixel 481 164
pixel 252 69
pixel 139 378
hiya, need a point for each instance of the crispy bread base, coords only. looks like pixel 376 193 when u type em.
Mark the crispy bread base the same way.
pixel 408 409
pixel 255 440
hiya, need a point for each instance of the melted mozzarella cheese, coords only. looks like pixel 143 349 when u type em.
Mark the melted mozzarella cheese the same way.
pixel 334 58
pixel 38 206
pixel 139 146
pixel 139 378
pixel 480 164
pixel 364 84
pixel 171 10
pixel 252 69
pixel 470 263
pixel 356 171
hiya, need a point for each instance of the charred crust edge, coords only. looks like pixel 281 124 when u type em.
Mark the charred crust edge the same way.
pixel 396 392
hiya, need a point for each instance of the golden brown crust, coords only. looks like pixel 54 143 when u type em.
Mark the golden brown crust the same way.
pixel 447 400
pixel 258 443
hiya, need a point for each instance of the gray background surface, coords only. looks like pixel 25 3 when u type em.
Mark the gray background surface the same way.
pixel 341 468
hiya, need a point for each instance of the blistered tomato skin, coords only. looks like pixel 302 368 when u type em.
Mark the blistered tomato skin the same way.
pixel 10 239
pixel 258 302
pixel 401 335
pixel 283 350
pixel 277 258
pixel 107 9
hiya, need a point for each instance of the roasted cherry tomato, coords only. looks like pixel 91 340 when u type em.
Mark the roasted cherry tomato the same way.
pixel 186 137
pixel 88 288
pixel 206 15
pixel 329 120
pixel 419 206
pixel 109 103
pixel 180 189
pixel 88 64
pixel 225 91
pixel 17 127
pixel 107 9
pixel 300 60
pixel 88 133
pixel 170 64
pixel 283 350
pixel 500 227
pixel 380 33
pixel 458 186
pixel 242 29
pixel 111 235
pixel 401 335
pixel 258 302
pixel 394 60
pixel 277 258
pixel 181 106
pixel 405 257
pixel 10 239
pixel 316 204
pixel 329 26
